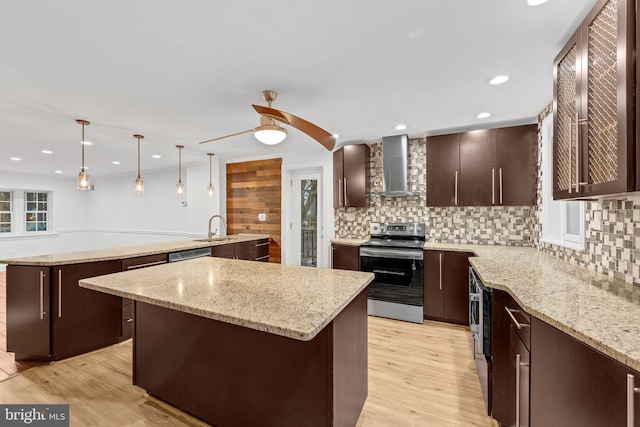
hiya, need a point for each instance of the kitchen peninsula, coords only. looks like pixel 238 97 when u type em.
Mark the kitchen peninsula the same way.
pixel 244 343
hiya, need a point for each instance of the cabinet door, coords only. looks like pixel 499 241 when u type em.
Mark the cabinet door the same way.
pixel 338 178
pixel 345 257
pixel 245 250
pixel 502 378
pixel 607 104
pixel 28 312
pixel 356 176
pixel 443 164
pixel 517 156
pixel 456 287
pixel 434 285
pixel 566 105
pixel 575 385
pixel 83 319
pixel 224 251
pixel 478 168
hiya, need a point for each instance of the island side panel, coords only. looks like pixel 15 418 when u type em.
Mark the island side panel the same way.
pixel 350 362
pixel 229 375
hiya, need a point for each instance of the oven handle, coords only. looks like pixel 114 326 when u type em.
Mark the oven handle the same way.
pixel 393 273
pixel 391 253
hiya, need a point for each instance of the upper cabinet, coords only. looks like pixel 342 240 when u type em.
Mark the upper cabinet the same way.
pixel 593 142
pixel 493 167
pixel 351 176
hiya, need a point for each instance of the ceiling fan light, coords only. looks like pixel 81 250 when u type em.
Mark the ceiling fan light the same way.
pixel 270 134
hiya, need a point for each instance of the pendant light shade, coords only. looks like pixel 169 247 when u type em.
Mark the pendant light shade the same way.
pixel 138 183
pixel 83 182
pixel 210 186
pixel 179 185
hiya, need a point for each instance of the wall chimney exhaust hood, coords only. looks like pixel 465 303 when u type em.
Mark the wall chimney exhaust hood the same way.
pixel 395 167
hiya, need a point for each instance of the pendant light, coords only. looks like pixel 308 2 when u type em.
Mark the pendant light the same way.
pixel 83 181
pixel 210 186
pixel 179 185
pixel 139 183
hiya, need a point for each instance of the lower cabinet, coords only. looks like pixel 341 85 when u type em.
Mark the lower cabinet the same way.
pixel 576 385
pixel 345 257
pixel 446 286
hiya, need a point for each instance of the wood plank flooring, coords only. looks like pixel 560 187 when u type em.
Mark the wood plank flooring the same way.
pixel 419 375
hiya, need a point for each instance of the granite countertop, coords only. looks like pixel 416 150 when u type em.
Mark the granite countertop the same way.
pixel 596 309
pixel 350 242
pixel 125 252
pixel 292 301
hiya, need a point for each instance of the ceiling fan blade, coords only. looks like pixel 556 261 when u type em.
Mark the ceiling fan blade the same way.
pixel 226 136
pixel 325 138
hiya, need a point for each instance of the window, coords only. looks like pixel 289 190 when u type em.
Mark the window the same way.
pixel 562 220
pixel 6 210
pixel 36 211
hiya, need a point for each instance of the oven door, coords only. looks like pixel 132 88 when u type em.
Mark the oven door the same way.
pixel 397 291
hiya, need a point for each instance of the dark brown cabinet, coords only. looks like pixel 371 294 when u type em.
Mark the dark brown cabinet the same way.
pixel 493 167
pixel 446 286
pixel 576 385
pixel 345 257
pixel 254 250
pixel 351 176
pixel 126 309
pixel 50 317
pixel 593 138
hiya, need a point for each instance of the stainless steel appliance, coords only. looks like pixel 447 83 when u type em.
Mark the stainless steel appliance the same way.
pixel 480 324
pixel 395 255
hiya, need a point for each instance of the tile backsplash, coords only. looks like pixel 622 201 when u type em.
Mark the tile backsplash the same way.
pixel 612 227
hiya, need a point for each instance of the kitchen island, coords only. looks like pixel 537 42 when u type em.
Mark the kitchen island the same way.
pixel 239 343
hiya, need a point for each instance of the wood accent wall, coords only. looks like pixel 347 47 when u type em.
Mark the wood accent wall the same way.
pixel 253 188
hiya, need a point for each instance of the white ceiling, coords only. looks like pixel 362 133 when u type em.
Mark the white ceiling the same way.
pixel 179 72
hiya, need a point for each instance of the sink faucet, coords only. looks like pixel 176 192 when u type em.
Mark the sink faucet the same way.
pixel 209 233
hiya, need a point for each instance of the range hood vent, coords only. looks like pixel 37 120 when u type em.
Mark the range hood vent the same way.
pixel 395 167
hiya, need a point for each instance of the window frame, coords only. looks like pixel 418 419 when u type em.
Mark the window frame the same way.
pixel 37 212
pixel 12 227
pixel 556 210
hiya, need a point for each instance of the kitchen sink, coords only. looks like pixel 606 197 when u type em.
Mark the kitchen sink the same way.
pixel 215 239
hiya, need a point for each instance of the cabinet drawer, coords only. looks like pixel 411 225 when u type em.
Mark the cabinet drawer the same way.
pixel 244 247
pixel 261 248
pixel 520 322
pixel 143 261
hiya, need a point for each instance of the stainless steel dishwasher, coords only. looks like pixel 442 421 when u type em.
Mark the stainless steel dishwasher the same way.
pixel 189 254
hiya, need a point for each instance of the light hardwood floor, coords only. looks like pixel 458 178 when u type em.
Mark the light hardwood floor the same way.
pixel 419 375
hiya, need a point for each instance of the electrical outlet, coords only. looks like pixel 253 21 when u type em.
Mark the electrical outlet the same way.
pixel 262 217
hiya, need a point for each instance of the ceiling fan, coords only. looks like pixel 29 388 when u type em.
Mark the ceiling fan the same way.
pixel 270 132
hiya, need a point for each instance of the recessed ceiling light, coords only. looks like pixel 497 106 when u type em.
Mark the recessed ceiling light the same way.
pixel 498 80
pixel 336 135
pixel 16 159
pixel 483 115
pixel 115 162
pixel 86 143
pixel 156 156
pixel 57 171
pixel 46 152
pixel 536 2
pixel 401 127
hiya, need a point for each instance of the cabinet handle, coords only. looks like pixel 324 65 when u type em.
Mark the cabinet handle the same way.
pixel 500 183
pixel 340 188
pixel 262 244
pixel 631 390
pixel 346 201
pixel 455 189
pixel 577 154
pixel 570 155
pixel 518 325
pixel 440 261
pixel 493 186
pixel 129 320
pixel 262 257
pixel 519 364
pixel 59 293
pixel 42 312
pixel 149 264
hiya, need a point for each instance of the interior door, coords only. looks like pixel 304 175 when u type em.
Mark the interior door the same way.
pixel 306 218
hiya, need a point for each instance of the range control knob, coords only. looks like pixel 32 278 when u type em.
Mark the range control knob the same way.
pixel 419 229
pixel 411 228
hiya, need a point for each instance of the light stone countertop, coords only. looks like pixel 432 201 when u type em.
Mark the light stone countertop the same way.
pixel 597 310
pixel 125 252
pixel 349 242
pixel 292 301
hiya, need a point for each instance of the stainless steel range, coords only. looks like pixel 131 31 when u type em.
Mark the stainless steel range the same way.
pixel 395 255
